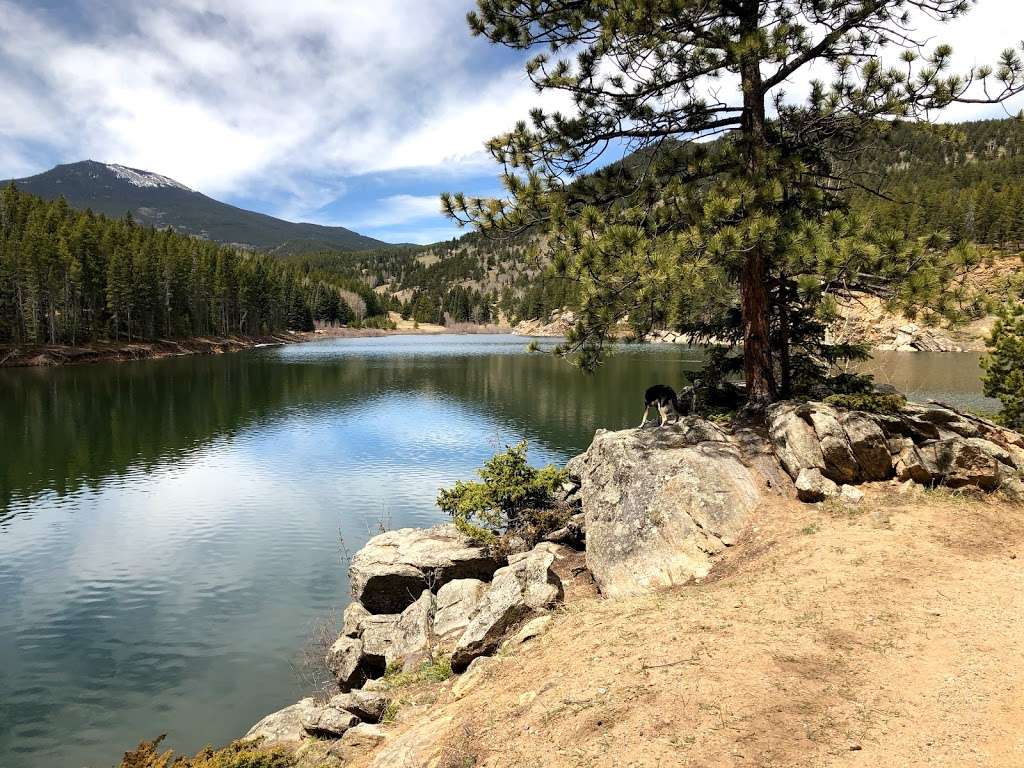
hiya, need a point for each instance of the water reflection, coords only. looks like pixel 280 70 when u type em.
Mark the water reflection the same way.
pixel 169 529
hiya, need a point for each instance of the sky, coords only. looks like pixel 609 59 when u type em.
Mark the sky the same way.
pixel 340 112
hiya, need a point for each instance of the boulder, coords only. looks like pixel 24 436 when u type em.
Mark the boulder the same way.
pixel 966 462
pixel 519 590
pixel 412 635
pixel 840 463
pixel 377 631
pixel 535 573
pixel 328 722
pixel 283 726
pixel 368 706
pixel 352 620
pixel 659 506
pixel 392 570
pixel 570 566
pixel 869 445
pixel 455 603
pixel 794 438
pixel 851 494
pixel 912 465
pixel 812 486
pixel 532 629
pixel 350 666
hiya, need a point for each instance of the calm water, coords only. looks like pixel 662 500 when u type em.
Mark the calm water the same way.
pixel 169 530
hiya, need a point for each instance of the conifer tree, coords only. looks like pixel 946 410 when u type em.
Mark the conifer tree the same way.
pixel 731 186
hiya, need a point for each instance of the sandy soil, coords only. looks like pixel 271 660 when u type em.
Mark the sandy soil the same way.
pixel 890 634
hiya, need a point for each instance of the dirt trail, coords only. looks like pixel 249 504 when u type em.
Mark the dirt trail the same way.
pixel 889 634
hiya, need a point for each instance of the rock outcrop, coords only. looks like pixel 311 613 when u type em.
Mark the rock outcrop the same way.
pixel 823 447
pixel 392 570
pixel 464 615
pixel 284 726
pixel 660 503
pixel 527 585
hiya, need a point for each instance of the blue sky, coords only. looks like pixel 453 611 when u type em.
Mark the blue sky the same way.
pixel 343 112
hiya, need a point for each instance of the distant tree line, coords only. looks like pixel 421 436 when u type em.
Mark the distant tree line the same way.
pixel 69 276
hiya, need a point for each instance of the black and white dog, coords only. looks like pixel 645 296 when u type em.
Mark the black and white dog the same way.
pixel 664 397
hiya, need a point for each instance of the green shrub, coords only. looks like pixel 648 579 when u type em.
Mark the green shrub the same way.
pixel 872 402
pixel 381 322
pixel 513 497
pixel 240 754
pixel 1004 365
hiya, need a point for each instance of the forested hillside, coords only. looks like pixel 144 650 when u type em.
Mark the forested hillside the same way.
pixel 157 200
pixel 964 182
pixel 68 276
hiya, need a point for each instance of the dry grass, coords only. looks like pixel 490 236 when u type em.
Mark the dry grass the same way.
pixel 885 635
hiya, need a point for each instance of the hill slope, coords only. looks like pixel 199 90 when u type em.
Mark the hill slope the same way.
pixel 162 202
pixel 964 180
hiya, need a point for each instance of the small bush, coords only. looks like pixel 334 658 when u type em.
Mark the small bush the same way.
pixel 381 322
pixel 872 402
pixel 513 498
pixel 1004 365
pixel 240 754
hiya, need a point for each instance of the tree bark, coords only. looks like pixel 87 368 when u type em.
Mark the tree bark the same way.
pixel 754 301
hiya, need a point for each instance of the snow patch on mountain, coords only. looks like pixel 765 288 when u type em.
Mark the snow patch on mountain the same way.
pixel 144 178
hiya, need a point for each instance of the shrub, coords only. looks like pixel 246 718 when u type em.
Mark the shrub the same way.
pixel 872 402
pixel 1004 365
pixel 380 322
pixel 240 754
pixel 513 497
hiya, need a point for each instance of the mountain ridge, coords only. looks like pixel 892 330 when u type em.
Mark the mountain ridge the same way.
pixel 160 201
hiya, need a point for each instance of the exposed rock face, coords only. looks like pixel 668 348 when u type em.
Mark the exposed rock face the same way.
pixel 527 585
pixel 329 722
pixel 812 486
pixel 455 603
pixel 392 570
pixel 368 706
pixel 570 566
pixel 930 444
pixel 660 503
pixel 283 726
pixel 868 444
pixel 350 666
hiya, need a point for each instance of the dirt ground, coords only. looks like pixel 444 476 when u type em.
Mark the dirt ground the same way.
pixel 886 634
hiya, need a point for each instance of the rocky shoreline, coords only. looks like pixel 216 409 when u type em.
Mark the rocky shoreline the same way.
pixel 861 321
pixel 653 508
pixel 105 352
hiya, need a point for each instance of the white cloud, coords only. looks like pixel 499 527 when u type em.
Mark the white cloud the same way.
pixel 283 102
pixel 400 209
pixel 257 96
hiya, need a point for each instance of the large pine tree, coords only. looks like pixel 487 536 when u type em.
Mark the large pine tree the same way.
pixel 731 188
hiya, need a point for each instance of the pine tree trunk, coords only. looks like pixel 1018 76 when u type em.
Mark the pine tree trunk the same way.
pixel 754 302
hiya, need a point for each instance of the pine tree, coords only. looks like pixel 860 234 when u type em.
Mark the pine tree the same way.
pixel 726 188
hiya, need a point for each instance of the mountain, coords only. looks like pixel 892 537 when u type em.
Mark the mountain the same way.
pixel 165 203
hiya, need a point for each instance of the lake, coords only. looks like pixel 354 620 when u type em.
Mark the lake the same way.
pixel 172 530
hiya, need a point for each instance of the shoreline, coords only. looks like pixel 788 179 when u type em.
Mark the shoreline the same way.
pixel 53 355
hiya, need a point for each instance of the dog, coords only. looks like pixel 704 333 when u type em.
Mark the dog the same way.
pixel 664 397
